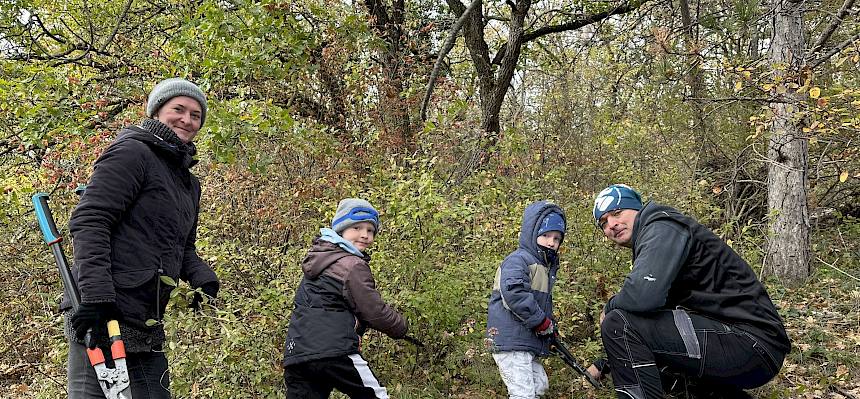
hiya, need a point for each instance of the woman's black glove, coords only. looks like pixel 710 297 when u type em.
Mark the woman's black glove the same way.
pixel 95 316
pixel 209 289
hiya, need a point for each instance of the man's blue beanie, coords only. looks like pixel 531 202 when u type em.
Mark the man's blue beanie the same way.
pixel 552 222
pixel 616 196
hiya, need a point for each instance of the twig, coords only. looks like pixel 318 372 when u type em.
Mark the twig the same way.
pixel 834 51
pixel 449 44
pixel 119 23
pixel 837 269
pixel 844 393
pixel 834 23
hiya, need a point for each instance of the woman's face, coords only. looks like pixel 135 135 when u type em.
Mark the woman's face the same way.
pixel 183 115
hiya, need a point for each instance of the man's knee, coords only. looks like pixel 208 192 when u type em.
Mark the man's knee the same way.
pixel 613 324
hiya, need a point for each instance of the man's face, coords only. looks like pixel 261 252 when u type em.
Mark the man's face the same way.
pixel 617 225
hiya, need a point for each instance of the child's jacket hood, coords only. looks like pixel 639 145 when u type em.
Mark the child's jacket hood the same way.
pixel 532 217
pixel 320 257
pixel 328 248
pixel 331 236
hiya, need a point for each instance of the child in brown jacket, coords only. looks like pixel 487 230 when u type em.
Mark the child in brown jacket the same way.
pixel 335 303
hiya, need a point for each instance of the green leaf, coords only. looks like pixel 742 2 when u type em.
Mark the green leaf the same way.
pixel 167 280
pixel 151 322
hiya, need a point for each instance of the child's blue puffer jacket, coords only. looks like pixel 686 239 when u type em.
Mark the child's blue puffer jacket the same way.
pixel 522 291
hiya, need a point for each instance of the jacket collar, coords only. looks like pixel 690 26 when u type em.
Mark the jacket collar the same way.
pixel 164 141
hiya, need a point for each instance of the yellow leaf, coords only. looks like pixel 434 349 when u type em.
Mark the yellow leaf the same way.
pixel 738 86
pixel 747 74
pixel 843 177
pixel 767 86
pixel 814 92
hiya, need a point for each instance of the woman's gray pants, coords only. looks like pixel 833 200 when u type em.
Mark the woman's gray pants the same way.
pixel 147 372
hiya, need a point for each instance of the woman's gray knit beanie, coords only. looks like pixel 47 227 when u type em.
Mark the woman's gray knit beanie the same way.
pixel 174 87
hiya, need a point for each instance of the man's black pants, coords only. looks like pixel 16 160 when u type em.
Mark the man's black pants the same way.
pixel 638 345
pixel 315 379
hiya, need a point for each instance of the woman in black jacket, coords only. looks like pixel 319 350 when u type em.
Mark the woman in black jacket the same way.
pixel 135 224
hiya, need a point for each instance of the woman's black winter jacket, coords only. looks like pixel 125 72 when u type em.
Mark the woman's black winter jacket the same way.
pixel 136 222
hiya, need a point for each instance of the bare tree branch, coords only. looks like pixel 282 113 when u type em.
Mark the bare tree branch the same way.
pixel 622 8
pixel 834 23
pixel 449 44
pixel 119 23
pixel 834 51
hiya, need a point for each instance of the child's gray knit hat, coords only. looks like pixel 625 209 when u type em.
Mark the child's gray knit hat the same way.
pixel 351 211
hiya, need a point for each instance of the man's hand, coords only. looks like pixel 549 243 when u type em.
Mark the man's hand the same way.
pixel 602 316
pixel 594 371
pixel 545 328
pixel 599 368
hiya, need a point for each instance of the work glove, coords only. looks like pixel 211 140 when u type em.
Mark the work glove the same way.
pixel 210 290
pixel 545 328
pixel 94 316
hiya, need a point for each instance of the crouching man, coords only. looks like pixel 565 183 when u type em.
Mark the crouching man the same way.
pixel 691 306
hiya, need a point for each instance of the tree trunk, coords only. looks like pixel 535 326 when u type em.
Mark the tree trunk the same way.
pixel 387 22
pixel 695 83
pixel 788 252
pixel 395 108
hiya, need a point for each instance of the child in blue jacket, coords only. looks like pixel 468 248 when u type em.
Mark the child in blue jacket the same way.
pixel 519 320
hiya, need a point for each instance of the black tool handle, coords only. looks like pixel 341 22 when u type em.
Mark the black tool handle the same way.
pixel 568 358
pixel 413 341
pixel 54 240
